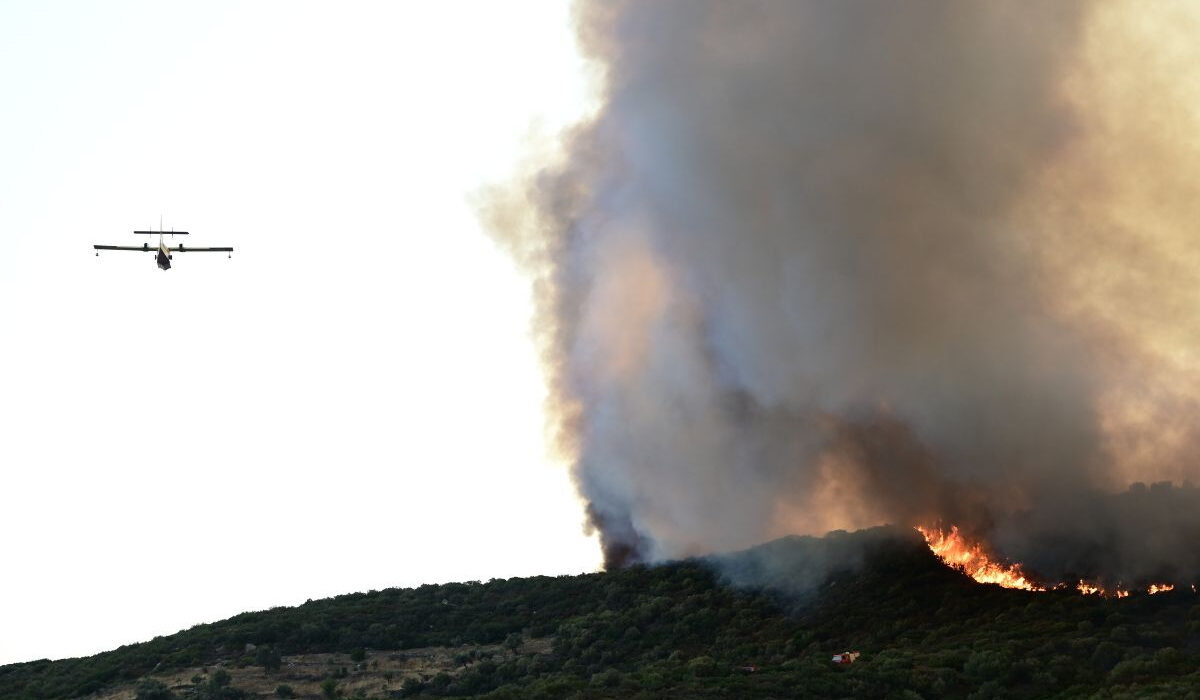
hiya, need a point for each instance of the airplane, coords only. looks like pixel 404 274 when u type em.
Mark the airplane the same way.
pixel 163 252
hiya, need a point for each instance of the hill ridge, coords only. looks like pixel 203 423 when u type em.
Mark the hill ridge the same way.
pixel 763 622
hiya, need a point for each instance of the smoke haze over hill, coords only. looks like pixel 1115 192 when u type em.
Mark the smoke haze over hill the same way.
pixel 821 265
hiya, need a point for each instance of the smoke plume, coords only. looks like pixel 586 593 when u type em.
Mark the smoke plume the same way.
pixel 820 265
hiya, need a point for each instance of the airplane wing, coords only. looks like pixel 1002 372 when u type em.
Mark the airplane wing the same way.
pixel 144 249
pixel 181 249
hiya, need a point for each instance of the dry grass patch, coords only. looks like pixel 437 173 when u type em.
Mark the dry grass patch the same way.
pixel 380 673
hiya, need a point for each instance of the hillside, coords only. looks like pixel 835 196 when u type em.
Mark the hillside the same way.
pixel 682 630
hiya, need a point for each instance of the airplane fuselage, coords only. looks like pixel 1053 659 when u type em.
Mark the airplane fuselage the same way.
pixel 164 256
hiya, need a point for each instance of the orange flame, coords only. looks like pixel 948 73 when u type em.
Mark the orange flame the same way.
pixel 970 557
pixel 954 549
pixel 1088 588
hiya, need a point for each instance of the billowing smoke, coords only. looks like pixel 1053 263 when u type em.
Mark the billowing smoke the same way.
pixel 820 265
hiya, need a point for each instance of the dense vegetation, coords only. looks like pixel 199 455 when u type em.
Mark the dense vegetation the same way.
pixel 681 630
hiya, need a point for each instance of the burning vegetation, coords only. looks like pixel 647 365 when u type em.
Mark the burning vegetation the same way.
pixel 973 557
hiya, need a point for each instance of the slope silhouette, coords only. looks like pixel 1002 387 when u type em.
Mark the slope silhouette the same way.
pixel 763 622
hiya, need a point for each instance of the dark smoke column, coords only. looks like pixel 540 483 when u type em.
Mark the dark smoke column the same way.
pixel 783 288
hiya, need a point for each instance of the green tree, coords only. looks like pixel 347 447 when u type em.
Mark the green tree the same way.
pixel 411 686
pixel 702 666
pixel 268 658
pixel 151 689
pixel 1106 655
pixel 218 687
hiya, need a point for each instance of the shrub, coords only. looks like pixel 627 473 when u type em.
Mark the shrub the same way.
pixel 702 666
pixel 151 689
pixel 329 688
pixel 268 658
pixel 1106 656
pixel 220 678
pixel 411 686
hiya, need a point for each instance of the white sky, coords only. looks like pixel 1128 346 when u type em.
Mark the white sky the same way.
pixel 349 403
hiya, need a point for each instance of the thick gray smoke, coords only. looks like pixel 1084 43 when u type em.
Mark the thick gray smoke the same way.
pixel 804 271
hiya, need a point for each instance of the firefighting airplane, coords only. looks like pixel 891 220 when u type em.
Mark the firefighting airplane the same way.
pixel 163 251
